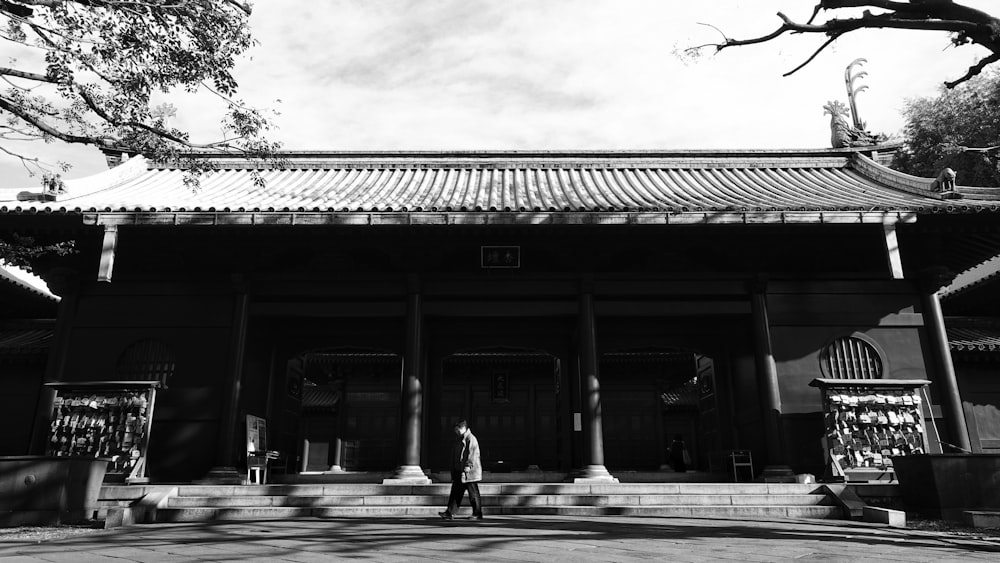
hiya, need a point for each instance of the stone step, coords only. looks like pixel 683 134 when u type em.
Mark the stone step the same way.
pixel 682 511
pixel 362 489
pixel 497 500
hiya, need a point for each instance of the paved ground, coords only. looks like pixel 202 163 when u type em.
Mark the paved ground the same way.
pixel 536 538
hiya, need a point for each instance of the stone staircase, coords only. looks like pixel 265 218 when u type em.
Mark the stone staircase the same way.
pixel 195 503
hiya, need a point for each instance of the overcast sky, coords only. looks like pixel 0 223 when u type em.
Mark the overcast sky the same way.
pixel 552 74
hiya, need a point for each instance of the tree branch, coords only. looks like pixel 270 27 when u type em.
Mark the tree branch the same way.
pixel 978 149
pixel 15 9
pixel 974 70
pixel 940 9
pixel 833 37
pixel 5 71
pixel 92 104
pixel 46 128
pixel 969 25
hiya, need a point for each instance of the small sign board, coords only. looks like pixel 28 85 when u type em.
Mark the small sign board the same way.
pixel 500 256
pixel 501 387
pixel 256 435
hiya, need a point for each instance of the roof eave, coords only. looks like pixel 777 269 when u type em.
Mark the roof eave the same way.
pixel 288 217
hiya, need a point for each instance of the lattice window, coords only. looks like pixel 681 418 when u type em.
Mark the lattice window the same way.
pixel 851 357
pixel 146 360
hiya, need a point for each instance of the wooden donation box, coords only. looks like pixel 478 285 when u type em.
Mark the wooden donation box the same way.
pixel 868 422
pixel 104 419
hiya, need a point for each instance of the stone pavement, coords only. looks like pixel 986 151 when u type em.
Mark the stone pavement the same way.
pixel 507 538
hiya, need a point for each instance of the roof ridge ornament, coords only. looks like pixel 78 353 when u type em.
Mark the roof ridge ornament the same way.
pixel 52 187
pixel 852 92
pixel 944 182
pixel 843 134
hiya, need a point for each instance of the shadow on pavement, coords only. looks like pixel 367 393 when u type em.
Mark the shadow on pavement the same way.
pixel 363 537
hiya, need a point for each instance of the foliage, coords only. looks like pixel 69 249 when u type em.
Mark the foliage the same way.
pixel 25 251
pixel 967 26
pixel 958 129
pixel 91 71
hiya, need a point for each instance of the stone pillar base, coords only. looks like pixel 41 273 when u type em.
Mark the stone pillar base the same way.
pixel 408 475
pixel 222 476
pixel 594 474
pixel 335 469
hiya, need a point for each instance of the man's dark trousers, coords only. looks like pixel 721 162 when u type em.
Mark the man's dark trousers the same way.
pixel 458 489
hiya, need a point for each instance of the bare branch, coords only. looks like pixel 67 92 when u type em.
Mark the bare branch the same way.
pixel 969 26
pixel 974 70
pixel 833 37
pixel 945 10
pixel 715 28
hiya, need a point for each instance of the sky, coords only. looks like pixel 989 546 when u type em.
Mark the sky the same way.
pixel 552 75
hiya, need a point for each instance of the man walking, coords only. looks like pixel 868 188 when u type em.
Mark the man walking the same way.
pixel 466 473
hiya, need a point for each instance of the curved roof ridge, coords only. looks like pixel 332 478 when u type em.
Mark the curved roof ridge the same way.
pixel 900 180
pixel 319 158
pixel 549 153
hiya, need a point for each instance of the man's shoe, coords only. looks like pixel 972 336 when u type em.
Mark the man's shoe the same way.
pixel 446 515
pixel 476 517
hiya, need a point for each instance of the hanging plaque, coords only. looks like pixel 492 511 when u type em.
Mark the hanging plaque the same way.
pixel 500 256
pixel 501 387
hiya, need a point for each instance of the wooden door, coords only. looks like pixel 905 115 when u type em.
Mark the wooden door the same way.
pixel 631 423
pixel 511 407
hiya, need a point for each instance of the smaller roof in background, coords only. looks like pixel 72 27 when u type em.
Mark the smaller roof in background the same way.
pixel 25 339
pixel 973 278
pixel 973 334
pixel 24 280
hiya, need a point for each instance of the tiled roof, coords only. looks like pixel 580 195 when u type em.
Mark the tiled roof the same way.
pixel 25 281
pixel 516 182
pixel 25 340
pixel 983 338
pixel 980 275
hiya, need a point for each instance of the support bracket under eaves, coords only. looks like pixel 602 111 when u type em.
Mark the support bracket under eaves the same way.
pixel 108 248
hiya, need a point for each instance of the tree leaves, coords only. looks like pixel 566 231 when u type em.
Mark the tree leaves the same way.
pixel 103 61
pixel 958 129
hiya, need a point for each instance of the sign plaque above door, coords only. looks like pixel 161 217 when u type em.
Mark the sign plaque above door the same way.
pixel 500 256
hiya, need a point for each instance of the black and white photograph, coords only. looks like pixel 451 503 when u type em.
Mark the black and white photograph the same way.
pixel 484 280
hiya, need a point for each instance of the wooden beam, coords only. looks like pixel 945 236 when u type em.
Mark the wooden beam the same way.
pixel 108 248
pixel 892 250
pixel 289 217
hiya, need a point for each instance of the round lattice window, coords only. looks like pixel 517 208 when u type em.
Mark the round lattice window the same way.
pixel 851 357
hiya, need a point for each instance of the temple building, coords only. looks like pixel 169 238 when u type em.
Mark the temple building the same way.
pixel 579 309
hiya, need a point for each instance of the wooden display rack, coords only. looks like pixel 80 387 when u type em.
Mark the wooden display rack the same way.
pixel 104 419
pixel 870 421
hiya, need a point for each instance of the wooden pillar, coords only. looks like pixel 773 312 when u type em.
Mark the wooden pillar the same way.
pixel 593 469
pixel 944 369
pixel 767 383
pixel 338 454
pixel 64 283
pixel 230 445
pixel 409 471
